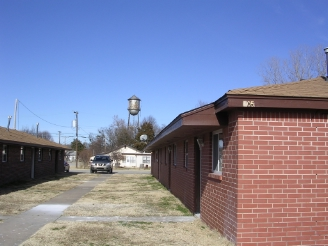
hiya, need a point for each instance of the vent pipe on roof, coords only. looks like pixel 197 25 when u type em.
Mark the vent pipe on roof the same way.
pixel 326 51
pixel 37 129
pixel 9 118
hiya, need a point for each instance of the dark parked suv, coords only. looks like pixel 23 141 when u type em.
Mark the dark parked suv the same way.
pixel 101 163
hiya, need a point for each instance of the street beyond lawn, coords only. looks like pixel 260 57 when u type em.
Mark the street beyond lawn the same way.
pixel 126 209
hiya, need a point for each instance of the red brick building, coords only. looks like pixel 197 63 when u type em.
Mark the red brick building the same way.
pixel 24 156
pixel 254 163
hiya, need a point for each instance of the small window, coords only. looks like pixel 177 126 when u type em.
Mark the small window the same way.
pixel 174 154
pixel 59 155
pixel 186 154
pixel 4 153
pixel 40 154
pixel 217 148
pixel 22 154
pixel 146 159
pixel 50 155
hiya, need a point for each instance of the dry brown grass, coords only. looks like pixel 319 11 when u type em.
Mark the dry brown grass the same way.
pixel 125 233
pixel 120 195
pixel 128 195
pixel 19 197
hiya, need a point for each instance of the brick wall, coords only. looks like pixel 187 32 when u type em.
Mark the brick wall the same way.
pixel 282 178
pixel 154 164
pixel 219 197
pixel 163 167
pixel 45 166
pixel 182 180
pixel 14 169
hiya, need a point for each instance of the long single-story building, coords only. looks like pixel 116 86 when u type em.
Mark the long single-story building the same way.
pixel 253 164
pixel 24 156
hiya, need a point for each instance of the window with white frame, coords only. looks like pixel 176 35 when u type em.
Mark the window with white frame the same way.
pixel 39 154
pixel 4 153
pixel 50 154
pixel 130 159
pixel 186 154
pixel 22 154
pixel 174 154
pixel 217 151
pixel 146 159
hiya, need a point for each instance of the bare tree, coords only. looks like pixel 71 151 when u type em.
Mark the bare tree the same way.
pixel 117 156
pixel 84 156
pixel 303 63
pixel 98 143
pixel 119 134
pixel 201 103
pixel 41 134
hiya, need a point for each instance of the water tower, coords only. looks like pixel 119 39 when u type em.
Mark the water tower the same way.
pixel 134 107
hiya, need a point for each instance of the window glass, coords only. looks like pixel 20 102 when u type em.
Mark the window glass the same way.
pixel 186 153
pixel 50 157
pixel 4 153
pixel 146 159
pixel 217 151
pixel 40 154
pixel 22 156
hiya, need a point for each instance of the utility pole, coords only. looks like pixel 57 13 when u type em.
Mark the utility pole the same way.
pixel 59 136
pixel 77 135
pixel 15 113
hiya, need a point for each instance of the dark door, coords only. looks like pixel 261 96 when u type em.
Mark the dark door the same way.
pixel 56 161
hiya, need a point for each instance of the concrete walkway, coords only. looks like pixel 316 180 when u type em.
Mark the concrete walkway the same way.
pixel 18 228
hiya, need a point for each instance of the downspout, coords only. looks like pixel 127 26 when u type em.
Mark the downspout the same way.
pixel 33 159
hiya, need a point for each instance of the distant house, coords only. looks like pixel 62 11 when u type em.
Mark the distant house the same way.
pixel 24 156
pixel 131 157
pixel 254 163
pixel 70 155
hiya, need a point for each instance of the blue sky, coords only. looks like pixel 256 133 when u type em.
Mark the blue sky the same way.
pixel 57 57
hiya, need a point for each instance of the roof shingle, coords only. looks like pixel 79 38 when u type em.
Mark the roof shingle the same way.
pixel 18 137
pixel 317 87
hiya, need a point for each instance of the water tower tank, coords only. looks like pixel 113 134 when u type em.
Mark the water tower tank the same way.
pixel 134 105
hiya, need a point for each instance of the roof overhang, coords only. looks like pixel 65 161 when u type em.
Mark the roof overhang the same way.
pixel 228 102
pixel 191 123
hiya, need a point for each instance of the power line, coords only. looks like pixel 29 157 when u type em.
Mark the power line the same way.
pixel 42 118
